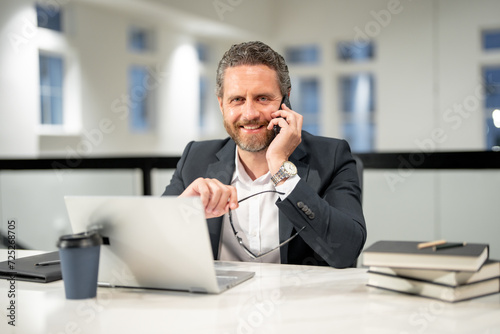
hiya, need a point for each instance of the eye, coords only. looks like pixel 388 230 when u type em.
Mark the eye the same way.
pixel 237 100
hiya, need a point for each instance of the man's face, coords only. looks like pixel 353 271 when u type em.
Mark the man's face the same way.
pixel 251 93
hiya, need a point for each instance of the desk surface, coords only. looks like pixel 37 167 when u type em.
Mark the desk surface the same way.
pixel 279 299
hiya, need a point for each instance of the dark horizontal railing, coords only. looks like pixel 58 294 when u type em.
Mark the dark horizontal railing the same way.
pixel 145 164
pixel 405 160
pixel 432 160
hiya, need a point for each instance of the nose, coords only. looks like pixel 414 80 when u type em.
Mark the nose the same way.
pixel 250 111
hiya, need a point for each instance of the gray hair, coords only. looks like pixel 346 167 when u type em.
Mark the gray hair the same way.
pixel 253 53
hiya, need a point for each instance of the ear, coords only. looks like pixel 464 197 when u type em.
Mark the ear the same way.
pixel 220 104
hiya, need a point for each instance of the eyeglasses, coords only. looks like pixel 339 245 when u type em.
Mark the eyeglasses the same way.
pixel 240 241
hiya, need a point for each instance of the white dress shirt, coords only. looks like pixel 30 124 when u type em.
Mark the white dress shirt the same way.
pixel 256 219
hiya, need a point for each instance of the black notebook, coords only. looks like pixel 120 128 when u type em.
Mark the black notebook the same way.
pixel 25 268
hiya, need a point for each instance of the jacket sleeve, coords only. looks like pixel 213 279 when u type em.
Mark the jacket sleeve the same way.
pixel 336 230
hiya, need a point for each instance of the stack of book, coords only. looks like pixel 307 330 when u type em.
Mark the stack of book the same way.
pixel 450 272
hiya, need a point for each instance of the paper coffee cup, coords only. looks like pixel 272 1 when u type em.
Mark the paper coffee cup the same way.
pixel 79 254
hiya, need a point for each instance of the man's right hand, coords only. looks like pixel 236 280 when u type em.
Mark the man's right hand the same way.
pixel 217 198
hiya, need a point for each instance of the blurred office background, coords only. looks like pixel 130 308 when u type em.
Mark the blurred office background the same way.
pixel 85 79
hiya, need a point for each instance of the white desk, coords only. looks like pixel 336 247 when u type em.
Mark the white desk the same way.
pixel 279 299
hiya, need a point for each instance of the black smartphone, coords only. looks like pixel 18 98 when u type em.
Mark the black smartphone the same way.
pixel 286 101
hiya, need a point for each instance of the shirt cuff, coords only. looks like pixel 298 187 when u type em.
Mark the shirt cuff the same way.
pixel 287 187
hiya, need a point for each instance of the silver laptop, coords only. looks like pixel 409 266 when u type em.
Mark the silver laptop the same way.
pixel 152 242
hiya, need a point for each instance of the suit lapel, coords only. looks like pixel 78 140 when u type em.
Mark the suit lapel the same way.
pixel 221 170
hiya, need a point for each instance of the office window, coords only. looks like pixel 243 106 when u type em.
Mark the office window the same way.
pixel 493 131
pixel 491 39
pixel 51 89
pixel 492 106
pixel 140 39
pixel 357 105
pixel 306 54
pixel 355 51
pixel 491 77
pixel 49 17
pixel 141 99
pixel 203 52
pixel 305 100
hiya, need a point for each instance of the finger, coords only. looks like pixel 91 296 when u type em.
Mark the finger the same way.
pixel 200 186
pixel 215 195
pixel 284 107
pixel 276 121
pixel 233 199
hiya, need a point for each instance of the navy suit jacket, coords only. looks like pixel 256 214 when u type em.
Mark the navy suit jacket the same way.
pixel 334 233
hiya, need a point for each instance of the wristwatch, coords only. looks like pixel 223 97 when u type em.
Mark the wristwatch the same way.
pixel 286 170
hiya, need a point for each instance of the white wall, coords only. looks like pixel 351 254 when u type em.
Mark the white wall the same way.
pixel 19 111
pixel 429 205
pixel 35 199
pixel 428 60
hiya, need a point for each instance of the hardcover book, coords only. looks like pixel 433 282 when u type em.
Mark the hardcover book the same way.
pixel 405 254
pixel 434 290
pixel 490 269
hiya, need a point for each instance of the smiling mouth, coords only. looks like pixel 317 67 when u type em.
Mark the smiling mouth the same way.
pixel 251 127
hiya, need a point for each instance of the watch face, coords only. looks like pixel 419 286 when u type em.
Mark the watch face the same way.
pixel 290 168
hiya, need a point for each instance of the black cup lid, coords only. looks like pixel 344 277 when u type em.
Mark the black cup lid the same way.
pixel 85 239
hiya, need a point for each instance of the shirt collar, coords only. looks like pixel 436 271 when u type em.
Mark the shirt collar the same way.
pixel 241 175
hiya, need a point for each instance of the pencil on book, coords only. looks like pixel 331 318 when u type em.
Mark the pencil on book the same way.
pixel 430 244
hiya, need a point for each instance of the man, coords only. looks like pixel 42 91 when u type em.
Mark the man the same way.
pixel 306 194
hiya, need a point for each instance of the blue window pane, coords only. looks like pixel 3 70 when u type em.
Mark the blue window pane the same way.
pixel 203 52
pixel 305 100
pixel 355 51
pixel 311 128
pixel 357 93
pixel 56 104
pixel 307 54
pixel 359 136
pixel 492 135
pixel 49 17
pixel 492 87
pixel 491 39
pixel 357 104
pixel 141 107
pixel 140 39
pixel 51 89
pixel 309 90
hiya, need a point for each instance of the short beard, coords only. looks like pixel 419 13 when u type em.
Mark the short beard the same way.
pixel 254 144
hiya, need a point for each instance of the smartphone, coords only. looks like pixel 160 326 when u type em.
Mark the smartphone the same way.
pixel 286 101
